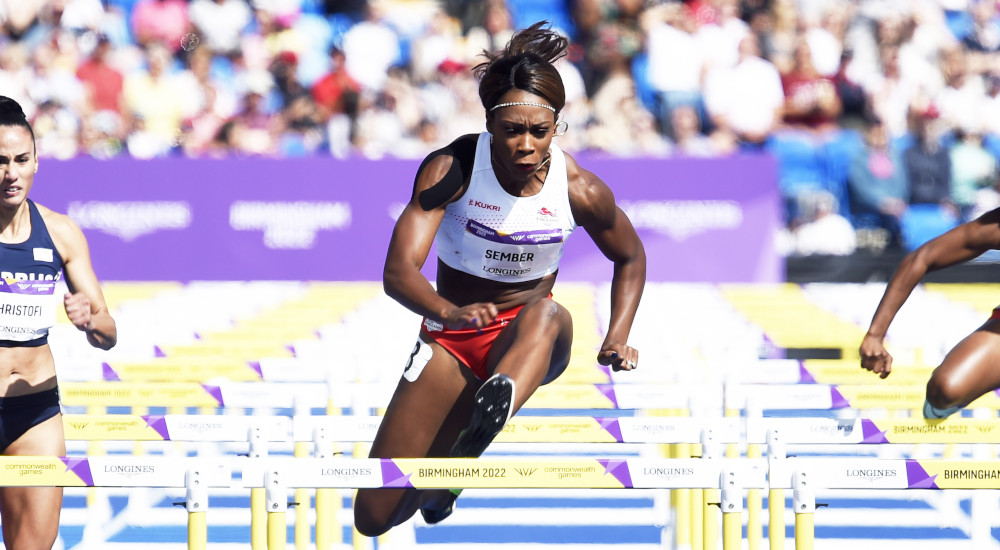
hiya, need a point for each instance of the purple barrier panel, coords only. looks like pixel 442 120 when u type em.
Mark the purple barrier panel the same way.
pixel 174 219
pixel 325 219
pixel 700 220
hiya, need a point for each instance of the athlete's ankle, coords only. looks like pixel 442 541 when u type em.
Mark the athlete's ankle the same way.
pixel 932 412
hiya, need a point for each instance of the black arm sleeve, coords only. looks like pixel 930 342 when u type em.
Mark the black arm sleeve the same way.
pixel 463 151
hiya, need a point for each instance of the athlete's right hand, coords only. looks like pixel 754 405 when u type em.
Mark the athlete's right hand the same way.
pixel 874 356
pixel 477 315
pixel 78 310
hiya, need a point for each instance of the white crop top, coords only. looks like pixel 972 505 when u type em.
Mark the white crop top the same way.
pixel 494 235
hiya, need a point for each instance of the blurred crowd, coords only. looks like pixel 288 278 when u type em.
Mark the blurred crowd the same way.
pixel 883 115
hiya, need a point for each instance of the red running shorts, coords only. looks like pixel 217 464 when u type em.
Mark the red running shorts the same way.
pixel 470 346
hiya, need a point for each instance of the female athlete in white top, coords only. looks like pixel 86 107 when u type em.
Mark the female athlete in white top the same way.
pixel 500 206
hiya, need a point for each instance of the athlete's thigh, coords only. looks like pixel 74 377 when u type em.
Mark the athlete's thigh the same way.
pixel 423 419
pixel 44 439
pixel 32 513
pixel 973 365
pixel 541 334
pixel 427 411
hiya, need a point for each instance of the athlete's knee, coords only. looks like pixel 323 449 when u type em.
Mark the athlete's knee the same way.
pixel 547 314
pixel 368 527
pixel 41 539
pixel 944 391
pixel 370 519
pixel 556 368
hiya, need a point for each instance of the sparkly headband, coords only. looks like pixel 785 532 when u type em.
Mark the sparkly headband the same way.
pixel 527 103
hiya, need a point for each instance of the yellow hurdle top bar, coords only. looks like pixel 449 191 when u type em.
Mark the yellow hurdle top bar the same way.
pixel 486 473
pixel 538 429
pixel 855 431
pixel 558 396
pixel 520 429
pixel 199 368
pixel 822 371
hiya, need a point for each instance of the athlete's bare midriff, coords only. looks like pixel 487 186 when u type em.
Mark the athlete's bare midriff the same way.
pixel 463 289
pixel 26 370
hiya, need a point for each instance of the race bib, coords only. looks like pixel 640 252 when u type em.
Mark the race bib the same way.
pixel 27 309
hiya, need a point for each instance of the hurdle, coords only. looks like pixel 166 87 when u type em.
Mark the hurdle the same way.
pixel 300 395
pixel 849 398
pixel 303 376
pixel 304 428
pixel 596 396
pixel 838 396
pixel 805 475
pixel 561 396
pixel 322 431
pixel 822 371
pixel 874 431
pixel 195 474
pixel 777 432
pixel 320 395
pixel 279 474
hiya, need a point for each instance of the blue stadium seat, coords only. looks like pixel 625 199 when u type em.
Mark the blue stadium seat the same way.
pixel 923 222
pixel 526 13
pixel 800 161
pixel 991 142
pixel 313 7
pixel 643 90
pixel 838 152
pixel 903 142
pixel 801 167
pixel 339 23
pixel 959 22
pixel 126 7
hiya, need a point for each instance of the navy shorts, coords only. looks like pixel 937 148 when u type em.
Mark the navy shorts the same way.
pixel 21 413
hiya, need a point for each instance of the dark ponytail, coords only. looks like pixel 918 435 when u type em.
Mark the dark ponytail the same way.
pixel 11 114
pixel 524 64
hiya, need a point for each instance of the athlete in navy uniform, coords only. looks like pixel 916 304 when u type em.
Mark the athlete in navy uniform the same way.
pixel 38 247
pixel 498 206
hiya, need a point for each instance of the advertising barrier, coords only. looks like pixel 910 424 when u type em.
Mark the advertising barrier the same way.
pixel 711 220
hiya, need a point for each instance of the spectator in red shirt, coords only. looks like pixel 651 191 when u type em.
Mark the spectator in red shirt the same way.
pixel 102 81
pixel 330 90
pixel 811 101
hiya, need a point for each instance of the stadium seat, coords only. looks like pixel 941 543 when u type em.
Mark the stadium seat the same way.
pixel 339 23
pixel 991 142
pixel 923 222
pixel 528 12
pixel 643 89
pixel 801 167
pixel 838 152
pixel 959 22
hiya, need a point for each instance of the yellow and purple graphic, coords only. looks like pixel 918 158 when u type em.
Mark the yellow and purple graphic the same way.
pixel 434 473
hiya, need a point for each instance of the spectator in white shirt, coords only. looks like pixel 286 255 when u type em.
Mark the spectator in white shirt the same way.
pixel 745 101
pixel 370 47
pixel 675 60
pixel 220 23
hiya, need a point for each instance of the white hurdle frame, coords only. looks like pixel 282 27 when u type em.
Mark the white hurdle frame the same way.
pixel 279 474
pixel 321 432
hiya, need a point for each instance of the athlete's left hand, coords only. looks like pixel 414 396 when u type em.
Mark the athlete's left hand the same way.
pixel 78 310
pixel 619 356
pixel 874 356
